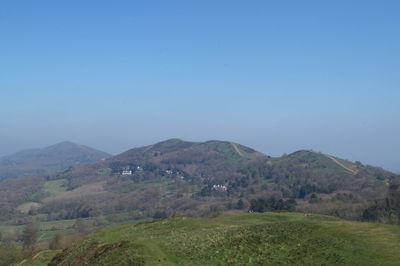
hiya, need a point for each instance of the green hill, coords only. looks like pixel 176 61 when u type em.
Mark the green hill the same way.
pixel 319 160
pixel 257 239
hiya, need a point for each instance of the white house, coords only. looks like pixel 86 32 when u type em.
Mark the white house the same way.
pixel 220 187
pixel 127 172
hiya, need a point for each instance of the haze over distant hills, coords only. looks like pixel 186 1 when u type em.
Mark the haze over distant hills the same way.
pixel 54 158
pixel 195 178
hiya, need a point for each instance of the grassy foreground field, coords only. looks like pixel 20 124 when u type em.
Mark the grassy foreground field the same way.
pixel 257 239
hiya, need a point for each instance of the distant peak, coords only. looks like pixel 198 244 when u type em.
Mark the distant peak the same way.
pixel 172 144
pixel 67 142
pixel 173 140
pixel 303 151
pixel 69 145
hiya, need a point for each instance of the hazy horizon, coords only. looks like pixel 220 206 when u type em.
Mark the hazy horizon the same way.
pixel 277 77
pixel 116 152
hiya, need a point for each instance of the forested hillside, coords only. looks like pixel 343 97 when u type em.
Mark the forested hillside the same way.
pixel 196 179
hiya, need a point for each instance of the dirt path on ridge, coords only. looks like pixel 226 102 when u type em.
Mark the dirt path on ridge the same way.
pixel 236 149
pixel 341 164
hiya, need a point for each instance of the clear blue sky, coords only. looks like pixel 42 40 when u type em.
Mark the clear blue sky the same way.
pixel 274 75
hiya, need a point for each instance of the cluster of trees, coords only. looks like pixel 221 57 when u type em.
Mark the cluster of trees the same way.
pixel 272 204
pixel 386 210
pixel 61 210
pixel 14 192
pixel 12 252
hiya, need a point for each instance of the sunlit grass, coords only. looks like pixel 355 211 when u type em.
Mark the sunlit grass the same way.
pixel 259 239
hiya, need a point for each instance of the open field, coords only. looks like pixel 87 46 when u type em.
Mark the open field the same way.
pixel 47 229
pixel 55 187
pixel 27 206
pixel 89 189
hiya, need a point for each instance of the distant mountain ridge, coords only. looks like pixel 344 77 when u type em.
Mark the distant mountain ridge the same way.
pixel 196 178
pixel 54 158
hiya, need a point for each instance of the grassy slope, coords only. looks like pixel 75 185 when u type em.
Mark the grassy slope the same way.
pixel 55 187
pixel 42 258
pixel 317 160
pixel 268 239
pixel 27 206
